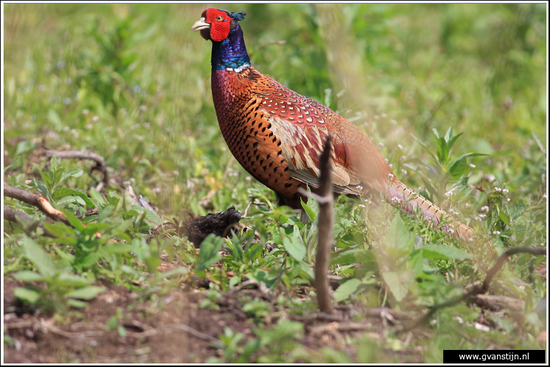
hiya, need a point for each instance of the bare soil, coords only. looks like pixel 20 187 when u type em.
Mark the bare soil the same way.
pixel 165 328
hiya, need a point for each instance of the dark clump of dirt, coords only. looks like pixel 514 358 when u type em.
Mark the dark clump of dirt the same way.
pixel 169 329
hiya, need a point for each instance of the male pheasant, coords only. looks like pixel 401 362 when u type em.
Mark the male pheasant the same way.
pixel 277 135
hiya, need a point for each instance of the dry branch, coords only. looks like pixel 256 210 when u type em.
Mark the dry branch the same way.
pixel 11 214
pixel 36 200
pixel 326 222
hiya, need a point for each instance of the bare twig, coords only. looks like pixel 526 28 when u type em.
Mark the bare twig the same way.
pixel 11 214
pixel 39 201
pixel 326 222
pixel 83 154
pixel 198 334
pixel 476 289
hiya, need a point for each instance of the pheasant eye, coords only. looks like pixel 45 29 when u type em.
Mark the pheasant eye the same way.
pixel 219 18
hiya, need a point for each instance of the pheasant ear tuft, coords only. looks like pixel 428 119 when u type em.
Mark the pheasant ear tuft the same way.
pixel 238 16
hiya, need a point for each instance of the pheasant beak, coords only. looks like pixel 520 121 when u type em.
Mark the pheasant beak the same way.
pixel 200 25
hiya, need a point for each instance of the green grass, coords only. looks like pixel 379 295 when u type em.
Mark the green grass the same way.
pixel 131 83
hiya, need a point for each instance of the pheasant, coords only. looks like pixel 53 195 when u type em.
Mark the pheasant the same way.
pixel 277 135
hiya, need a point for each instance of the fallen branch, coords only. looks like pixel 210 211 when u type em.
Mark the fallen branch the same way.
pixel 11 214
pixel 476 289
pixel 100 164
pixel 36 200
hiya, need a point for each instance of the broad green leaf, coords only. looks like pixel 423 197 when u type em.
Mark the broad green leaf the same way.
pixel 448 134
pixel 76 303
pixel 105 212
pixel 64 192
pixel 209 251
pixel 69 200
pixel 97 196
pixel 89 259
pixel 309 209
pixel 451 142
pixel 73 172
pixel 73 220
pixel 294 246
pixel 346 289
pixel 456 170
pixel 86 293
pixel 28 276
pixel 72 280
pixel 59 229
pixel 24 147
pixel 39 257
pixel 45 177
pixel 26 295
pixel 398 282
pixel 398 236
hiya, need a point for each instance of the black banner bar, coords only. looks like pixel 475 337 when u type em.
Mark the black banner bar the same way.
pixel 494 356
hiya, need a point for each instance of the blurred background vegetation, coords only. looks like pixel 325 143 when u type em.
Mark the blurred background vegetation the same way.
pixel 131 82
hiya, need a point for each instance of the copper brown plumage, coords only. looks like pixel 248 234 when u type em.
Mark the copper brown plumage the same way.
pixel 277 134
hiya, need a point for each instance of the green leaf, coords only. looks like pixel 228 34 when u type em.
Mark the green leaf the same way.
pixel 39 257
pixel 86 293
pixel 105 212
pixel 73 172
pixel 28 276
pixel 451 142
pixel 457 168
pixel 77 303
pixel 70 200
pixel 448 134
pixel 443 252
pixel 45 177
pixel 398 282
pixel 89 259
pixel 72 280
pixel 346 289
pixel 311 209
pixel 73 220
pixel 294 246
pixel 442 150
pixel 236 249
pixel 424 146
pixel 209 251
pixel 59 229
pixel 64 192
pixel 398 236
pixel 26 295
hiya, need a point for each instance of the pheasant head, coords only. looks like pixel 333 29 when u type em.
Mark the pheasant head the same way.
pixel 222 28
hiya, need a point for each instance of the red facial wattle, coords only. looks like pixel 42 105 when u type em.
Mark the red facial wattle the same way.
pixel 220 24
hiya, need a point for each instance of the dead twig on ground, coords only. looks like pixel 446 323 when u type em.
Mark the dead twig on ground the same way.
pixel 36 200
pixel 11 214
